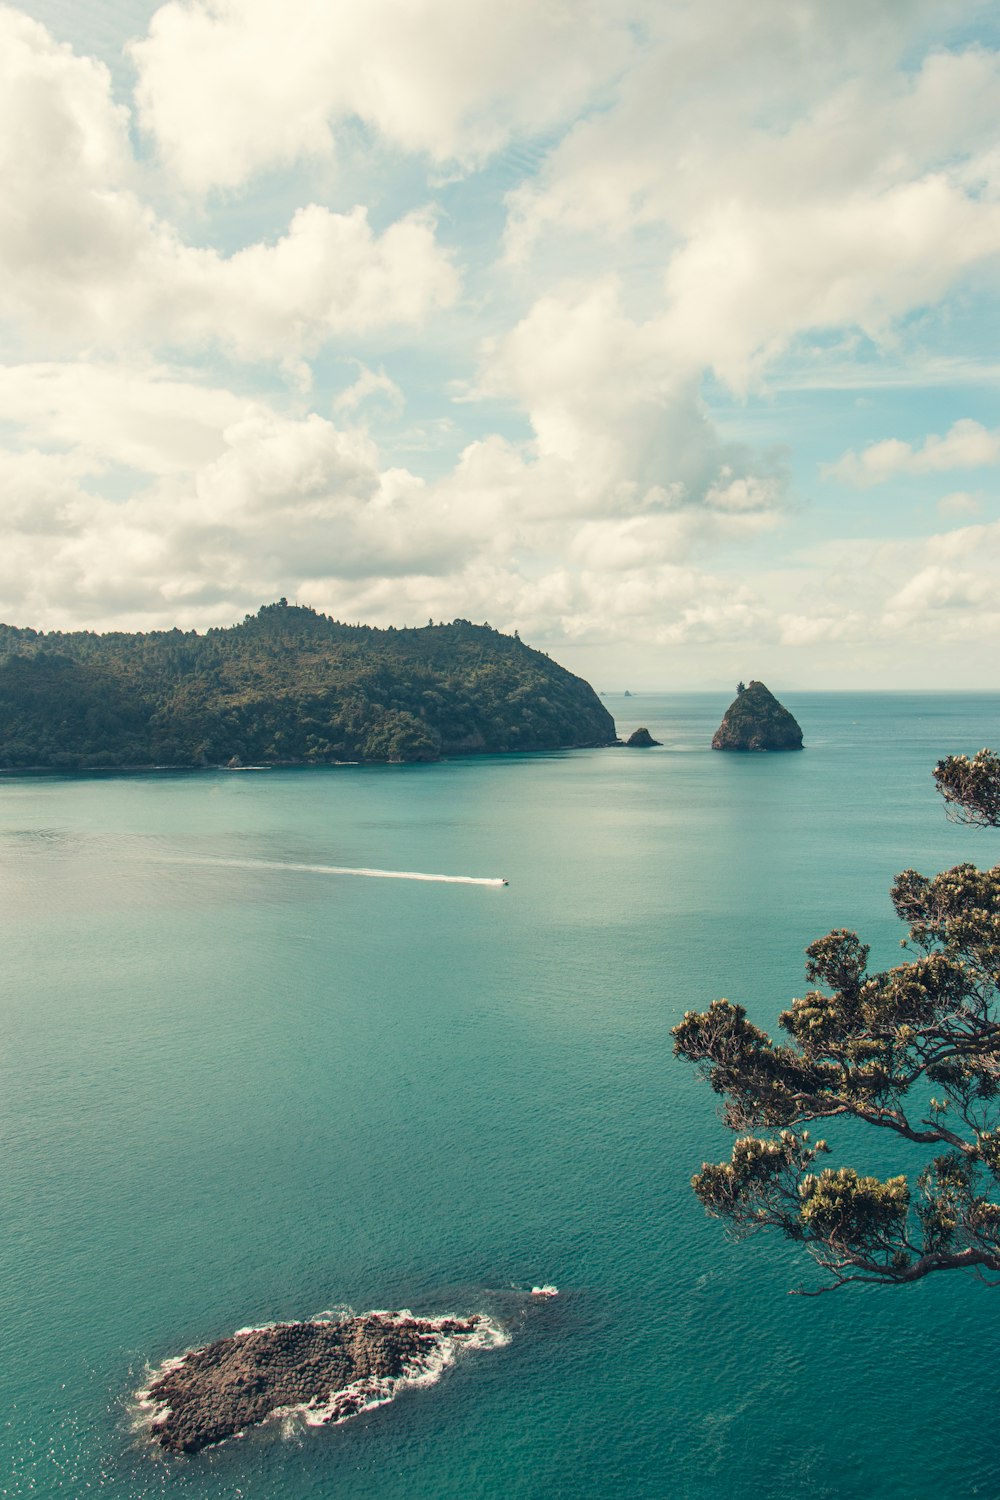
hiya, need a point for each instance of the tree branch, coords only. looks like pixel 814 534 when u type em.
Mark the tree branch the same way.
pixel 874 1274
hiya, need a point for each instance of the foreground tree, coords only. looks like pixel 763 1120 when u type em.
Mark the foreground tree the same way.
pixel 913 1050
pixel 971 788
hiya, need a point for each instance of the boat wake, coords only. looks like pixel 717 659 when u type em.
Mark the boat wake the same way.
pixel 369 874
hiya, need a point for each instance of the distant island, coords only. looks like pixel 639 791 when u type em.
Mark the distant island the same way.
pixel 755 720
pixel 288 686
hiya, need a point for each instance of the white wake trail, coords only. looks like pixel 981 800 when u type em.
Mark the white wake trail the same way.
pixel 265 864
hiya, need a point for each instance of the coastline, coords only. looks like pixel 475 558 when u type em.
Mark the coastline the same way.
pixel 300 765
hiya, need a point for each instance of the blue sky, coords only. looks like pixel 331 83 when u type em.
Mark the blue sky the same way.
pixel 661 331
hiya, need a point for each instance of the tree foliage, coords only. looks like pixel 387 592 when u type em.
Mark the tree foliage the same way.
pixel 913 1051
pixel 286 686
pixel 971 787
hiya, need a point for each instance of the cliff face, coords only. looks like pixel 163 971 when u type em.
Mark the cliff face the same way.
pixel 287 686
pixel 755 720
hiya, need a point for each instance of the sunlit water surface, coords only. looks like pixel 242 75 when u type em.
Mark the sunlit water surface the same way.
pixel 237 1087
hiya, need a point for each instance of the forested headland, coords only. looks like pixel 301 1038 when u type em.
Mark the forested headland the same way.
pixel 287 686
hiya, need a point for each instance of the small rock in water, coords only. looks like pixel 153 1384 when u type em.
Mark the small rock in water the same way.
pixel 545 1291
pixel 328 1370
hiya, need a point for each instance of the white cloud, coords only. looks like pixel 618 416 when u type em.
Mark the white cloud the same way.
pixel 751 277
pixel 820 629
pixel 966 445
pixel 149 419
pixel 228 501
pixel 977 544
pixel 787 173
pixel 41 491
pixel 83 258
pixel 230 87
pixel 598 518
pixel 669 606
pixel 271 501
pixel 911 593
pixel 959 503
pixel 618 421
pixel 369 384
pixel 936 587
pixel 295 505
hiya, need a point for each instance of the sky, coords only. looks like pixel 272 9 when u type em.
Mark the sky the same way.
pixel 662 331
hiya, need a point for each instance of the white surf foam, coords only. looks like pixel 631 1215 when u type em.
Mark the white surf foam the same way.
pixel 424 1370
pixel 148 1412
pixel 548 1290
pixel 370 874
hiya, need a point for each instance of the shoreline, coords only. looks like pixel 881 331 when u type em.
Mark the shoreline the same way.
pixel 294 765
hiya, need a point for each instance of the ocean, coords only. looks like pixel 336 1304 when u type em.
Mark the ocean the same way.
pixel 238 1086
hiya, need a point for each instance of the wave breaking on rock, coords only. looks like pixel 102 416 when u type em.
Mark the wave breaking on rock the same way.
pixel 325 1371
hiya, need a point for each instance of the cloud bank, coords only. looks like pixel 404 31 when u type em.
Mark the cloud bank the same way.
pixel 421 309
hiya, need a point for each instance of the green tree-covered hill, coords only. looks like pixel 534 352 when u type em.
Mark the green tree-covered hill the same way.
pixel 288 685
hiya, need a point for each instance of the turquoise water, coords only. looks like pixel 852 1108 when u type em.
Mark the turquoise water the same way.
pixel 233 1093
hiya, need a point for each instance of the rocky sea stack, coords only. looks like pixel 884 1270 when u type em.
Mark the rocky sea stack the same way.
pixel 641 739
pixel 327 1370
pixel 755 720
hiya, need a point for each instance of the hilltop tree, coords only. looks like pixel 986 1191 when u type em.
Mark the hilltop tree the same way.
pixel 913 1051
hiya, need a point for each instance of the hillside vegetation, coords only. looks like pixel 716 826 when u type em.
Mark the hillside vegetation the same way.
pixel 288 685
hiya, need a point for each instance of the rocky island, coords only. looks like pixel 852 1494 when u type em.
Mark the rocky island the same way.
pixel 326 1370
pixel 755 720
pixel 641 739
pixel 288 686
